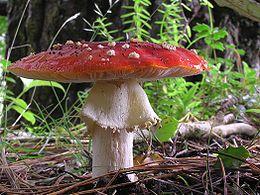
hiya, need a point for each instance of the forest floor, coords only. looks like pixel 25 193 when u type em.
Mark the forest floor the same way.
pixel 177 167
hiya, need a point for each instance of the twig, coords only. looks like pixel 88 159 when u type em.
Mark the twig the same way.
pixel 45 144
pixel 207 161
pixel 244 192
pixel 224 176
pixel 237 189
pixel 174 183
pixel 111 181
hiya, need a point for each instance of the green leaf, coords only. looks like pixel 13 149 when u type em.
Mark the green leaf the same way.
pixel 201 27
pixel 218 45
pixel 238 75
pixel 231 46
pixel 167 131
pixel 208 41
pixel 207 3
pixel 11 80
pixel 40 83
pixel 188 31
pixel 129 30
pixel 220 35
pixel 146 12
pixel 257 111
pixel 18 102
pixel 241 51
pixel 233 157
pixel 28 115
pixel 5 63
pixel 202 34
pixel 188 97
pixel 127 15
pixel 146 24
pixel 186 7
pixel 141 15
pixel 127 7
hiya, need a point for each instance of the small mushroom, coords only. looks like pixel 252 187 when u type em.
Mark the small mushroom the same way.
pixel 117 105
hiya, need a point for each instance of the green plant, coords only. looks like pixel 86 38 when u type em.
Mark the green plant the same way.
pixel 172 28
pixel 19 105
pixel 137 19
pixel 168 130
pixel 226 77
pixel 3 24
pixel 233 157
pixel 173 97
pixel 2 91
pixel 101 25
pixel 211 36
pixel 3 27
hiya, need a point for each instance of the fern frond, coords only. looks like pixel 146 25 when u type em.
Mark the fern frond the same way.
pixel 171 26
pixel 137 17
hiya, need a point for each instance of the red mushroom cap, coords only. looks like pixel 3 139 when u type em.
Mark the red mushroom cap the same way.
pixel 92 61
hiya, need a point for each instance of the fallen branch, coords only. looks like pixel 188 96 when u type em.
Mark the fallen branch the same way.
pixel 204 129
pixel 247 8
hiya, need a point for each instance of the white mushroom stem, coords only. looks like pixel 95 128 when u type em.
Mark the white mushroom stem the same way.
pixel 112 111
pixel 111 150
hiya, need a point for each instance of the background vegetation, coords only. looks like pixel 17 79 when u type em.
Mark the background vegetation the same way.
pixel 231 85
pixel 173 99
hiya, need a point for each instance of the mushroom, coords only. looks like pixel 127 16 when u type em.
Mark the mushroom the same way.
pixel 117 105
